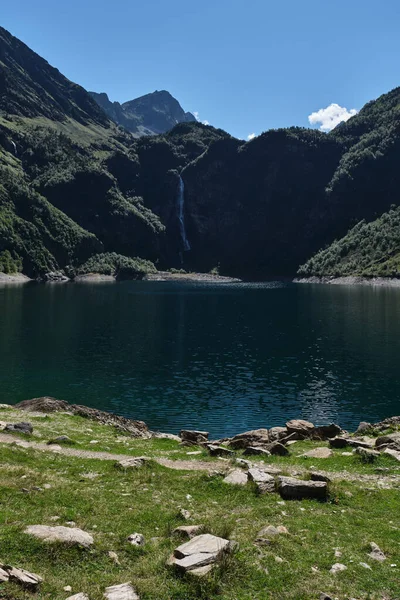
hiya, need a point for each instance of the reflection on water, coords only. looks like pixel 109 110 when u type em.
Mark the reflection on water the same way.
pixel 221 357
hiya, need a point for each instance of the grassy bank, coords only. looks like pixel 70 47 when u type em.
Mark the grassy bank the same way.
pixel 111 504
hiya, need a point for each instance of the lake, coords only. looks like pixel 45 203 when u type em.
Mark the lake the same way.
pixel 221 357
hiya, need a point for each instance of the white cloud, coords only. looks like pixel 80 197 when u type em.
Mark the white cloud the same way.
pixel 196 114
pixel 251 136
pixel 331 116
pixel 205 122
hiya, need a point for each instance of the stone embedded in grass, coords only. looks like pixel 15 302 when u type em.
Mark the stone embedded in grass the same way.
pixel 237 477
pixel 215 450
pixel 264 481
pixel 78 597
pixel 185 514
pixel 136 539
pixel 189 531
pixel 337 568
pixel 367 454
pixel 27 580
pixel 4 576
pixel 67 535
pixel 393 453
pixel 318 453
pixel 296 489
pixel 365 565
pixel 256 450
pixel 5 407
pixel 114 557
pixel 124 591
pixel 263 536
pixel 256 437
pixel 23 427
pixel 61 439
pixel 202 551
pixel 132 463
pixel 376 553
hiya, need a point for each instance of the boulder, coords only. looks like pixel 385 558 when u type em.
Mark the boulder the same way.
pixel 136 539
pixel 26 428
pixel 343 442
pixel 215 450
pixel 394 453
pixel 264 481
pixel 256 450
pixel 194 438
pixel 277 449
pixel 315 476
pixel 189 531
pixel 257 437
pixel 391 439
pixel 236 477
pixel 363 427
pixel 296 489
pixel 67 535
pixel 124 591
pixel 325 432
pixel 202 551
pixel 302 428
pixel 277 433
pixel 132 463
pixel 27 580
pixel 318 453
pixel 376 553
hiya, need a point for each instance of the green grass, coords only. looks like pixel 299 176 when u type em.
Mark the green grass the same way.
pixel 115 503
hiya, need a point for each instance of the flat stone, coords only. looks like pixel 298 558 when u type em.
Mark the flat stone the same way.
pixel 337 568
pixel 367 453
pixel 194 437
pixel 189 531
pixel 4 576
pixel 236 477
pixel 201 571
pixel 136 539
pixel 342 442
pixel 195 561
pixel 271 531
pixel 256 450
pixel 394 453
pixel 296 489
pixel 278 449
pixel 78 597
pixel 23 427
pixel 201 551
pixel 215 450
pixel 376 553
pixel 299 426
pixel 277 433
pixel 24 578
pixel 132 463
pixel 264 481
pixel 124 591
pixel 67 535
pixel 256 437
pixel 318 453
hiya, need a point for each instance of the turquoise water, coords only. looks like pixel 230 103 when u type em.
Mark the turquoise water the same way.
pixel 225 358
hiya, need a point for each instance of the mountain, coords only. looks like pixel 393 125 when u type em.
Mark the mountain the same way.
pixel 151 114
pixel 78 192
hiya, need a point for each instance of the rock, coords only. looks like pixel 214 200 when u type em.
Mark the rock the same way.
pixel 27 580
pixel 325 432
pixel 337 567
pixel 245 464
pixel 256 450
pixel 302 428
pixel 236 477
pixel 78 597
pixel 363 427
pixel 5 407
pixel 114 557
pixel 264 481
pixel 185 514
pixel 365 565
pixel 318 453
pixel 67 535
pixel 391 439
pixel 194 437
pixel 201 551
pixel 4 576
pixel 257 437
pixel 296 489
pixel 394 453
pixel 55 277
pixel 124 591
pixel 189 531
pixel 342 442
pixel 136 539
pixel 324 596
pixel 277 433
pixel 19 428
pixel 376 553
pixel 367 454
pixel 219 450
pixel 132 463
pixel 67 588
pixel 316 476
pixel 194 453
pixel 61 439
pixel 271 531
pixel 277 449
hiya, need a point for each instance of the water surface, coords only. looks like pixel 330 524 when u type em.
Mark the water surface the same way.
pixel 225 358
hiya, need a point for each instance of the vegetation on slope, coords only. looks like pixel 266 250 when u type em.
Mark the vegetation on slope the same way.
pixel 119 266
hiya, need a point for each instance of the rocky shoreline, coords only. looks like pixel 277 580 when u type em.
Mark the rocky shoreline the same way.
pixel 352 280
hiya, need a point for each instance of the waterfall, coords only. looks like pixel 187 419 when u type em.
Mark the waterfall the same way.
pixel 181 214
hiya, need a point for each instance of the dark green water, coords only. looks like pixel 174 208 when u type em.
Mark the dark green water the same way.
pixel 224 358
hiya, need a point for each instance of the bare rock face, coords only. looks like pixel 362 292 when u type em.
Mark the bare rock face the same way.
pixel 277 433
pixel 124 591
pixel 257 437
pixel 303 428
pixel 296 489
pixel 200 552
pixel 68 535
pixel 194 438
pixel 237 477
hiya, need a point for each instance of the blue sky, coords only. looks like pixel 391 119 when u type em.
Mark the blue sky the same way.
pixel 245 66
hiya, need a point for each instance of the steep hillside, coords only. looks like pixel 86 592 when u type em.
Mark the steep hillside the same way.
pixel 148 115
